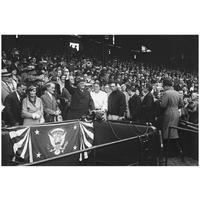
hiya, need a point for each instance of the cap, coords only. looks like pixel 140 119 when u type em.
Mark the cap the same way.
pixel 80 80
pixel 31 87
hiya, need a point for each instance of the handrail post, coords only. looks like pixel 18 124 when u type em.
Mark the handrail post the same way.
pixel 167 151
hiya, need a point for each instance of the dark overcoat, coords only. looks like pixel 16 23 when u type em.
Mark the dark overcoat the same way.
pixel 81 102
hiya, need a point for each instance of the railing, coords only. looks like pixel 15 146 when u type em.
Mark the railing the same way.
pixel 178 128
pixel 94 148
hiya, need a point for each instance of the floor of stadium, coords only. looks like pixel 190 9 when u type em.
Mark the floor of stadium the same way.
pixel 177 162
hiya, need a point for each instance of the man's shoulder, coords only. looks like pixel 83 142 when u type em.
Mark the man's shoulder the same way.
pixel 44 96
pixel 171 91
pixel 11 95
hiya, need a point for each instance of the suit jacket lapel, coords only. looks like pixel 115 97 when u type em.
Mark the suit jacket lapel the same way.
pixel 5 86
pixel 48 98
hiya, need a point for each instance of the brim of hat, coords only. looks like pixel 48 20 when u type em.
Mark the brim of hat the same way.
pixel 80 82
pixel 5 75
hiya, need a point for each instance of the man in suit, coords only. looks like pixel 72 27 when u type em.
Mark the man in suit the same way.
pixel 5 84
pixel 13 106
pixel 51 110
pixel 134 103
pixel 147 110
pixel 116 103
pixel 81 100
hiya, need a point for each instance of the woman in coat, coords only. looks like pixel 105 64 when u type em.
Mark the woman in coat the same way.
pixel 32 108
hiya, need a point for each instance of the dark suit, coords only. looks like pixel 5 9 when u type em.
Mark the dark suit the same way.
pixel 13 109
pixel 5 91
pixel 81 102
pixel 134 107
pixel 50 106
pixel 147 113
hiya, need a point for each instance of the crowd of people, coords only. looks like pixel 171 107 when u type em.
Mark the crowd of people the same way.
pixel 55 87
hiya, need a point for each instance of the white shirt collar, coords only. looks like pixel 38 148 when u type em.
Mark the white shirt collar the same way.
pixel 50 94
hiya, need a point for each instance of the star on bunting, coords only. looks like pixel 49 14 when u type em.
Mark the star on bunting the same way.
pixel 75 147
pixel 38 155
pixel 37 132
pixel 75 127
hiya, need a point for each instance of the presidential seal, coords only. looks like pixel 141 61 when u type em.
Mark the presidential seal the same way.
pixel 57 139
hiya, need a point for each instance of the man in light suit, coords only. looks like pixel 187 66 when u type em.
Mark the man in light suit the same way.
pixel 13 106
pixel 51 110
pixel 5 87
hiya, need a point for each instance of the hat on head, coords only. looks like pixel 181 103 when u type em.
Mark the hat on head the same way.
pixel 167 82
pixel 31 87
pixel 80 80
pixel 5 73
pixel 12 68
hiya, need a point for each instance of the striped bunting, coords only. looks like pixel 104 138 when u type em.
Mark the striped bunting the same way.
pixel 20 137
pixel 87 137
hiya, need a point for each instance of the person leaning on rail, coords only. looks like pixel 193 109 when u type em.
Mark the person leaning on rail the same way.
pixel 171 102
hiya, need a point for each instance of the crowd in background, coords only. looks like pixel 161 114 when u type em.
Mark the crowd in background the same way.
pixel 38 75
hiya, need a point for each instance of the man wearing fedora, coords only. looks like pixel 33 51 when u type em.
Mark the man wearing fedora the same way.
pixel 81 100
pixel 171 102
pixel 6 88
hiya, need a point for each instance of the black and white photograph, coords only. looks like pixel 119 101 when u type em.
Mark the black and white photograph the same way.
pixel 98 99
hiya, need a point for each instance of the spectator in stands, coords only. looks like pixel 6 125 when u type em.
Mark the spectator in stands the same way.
pixel 32 108
pixel 147 106
pixel 13 106
pixel 100 99
pixel 65 98
pixel 81 100
pixel 106 89
pixel 14 76
pixel 116 103
pixel 52 112
pixel 134 103
pixel 5 86
pixel 123 89
pixel 184 110
pixel 193 108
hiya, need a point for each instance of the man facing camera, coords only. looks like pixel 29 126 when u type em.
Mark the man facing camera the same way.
pixel 116 103
pixel 51 110
pixel 81 100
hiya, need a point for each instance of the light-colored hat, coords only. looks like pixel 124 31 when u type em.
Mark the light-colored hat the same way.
pixel 5 73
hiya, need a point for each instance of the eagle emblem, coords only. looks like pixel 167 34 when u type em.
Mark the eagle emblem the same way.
pixel 57 139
